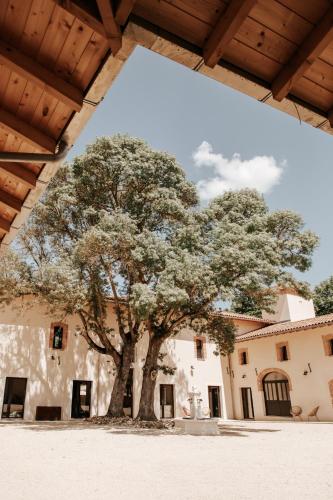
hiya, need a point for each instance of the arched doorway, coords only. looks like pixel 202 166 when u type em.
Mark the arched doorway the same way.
pixel 276 393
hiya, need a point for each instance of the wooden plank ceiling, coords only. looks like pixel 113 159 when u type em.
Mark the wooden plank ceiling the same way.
pixel 52 54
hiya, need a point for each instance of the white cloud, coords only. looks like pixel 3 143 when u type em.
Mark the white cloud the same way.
pixel 261 172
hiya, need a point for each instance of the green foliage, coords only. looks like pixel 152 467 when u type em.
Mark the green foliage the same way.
pixel 122 221
pixel 323 297
pixel 245 304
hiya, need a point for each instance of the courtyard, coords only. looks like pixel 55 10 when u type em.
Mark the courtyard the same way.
pixel 262 460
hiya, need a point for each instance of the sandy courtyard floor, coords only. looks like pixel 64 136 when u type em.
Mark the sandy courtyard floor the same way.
pixel 249 460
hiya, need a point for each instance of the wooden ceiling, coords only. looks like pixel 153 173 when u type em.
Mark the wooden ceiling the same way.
pixel 58 59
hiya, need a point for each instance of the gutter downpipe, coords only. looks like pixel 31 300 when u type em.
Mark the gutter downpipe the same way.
pixel 231 377
pixel 17 157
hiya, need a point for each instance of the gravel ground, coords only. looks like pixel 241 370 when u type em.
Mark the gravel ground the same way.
pixel 249 460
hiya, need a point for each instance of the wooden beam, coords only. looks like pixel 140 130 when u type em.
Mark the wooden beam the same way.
pixel 26 131
pixel 123 11
pixel 5 225
pixel 20 174
pixel 225 29
pixel 80 10
pixel 316 42
pixel 10 201
pixel 41 76
pixel 111 27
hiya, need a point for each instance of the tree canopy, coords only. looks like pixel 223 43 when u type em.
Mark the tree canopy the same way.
pixel 323 297
pixel 122 222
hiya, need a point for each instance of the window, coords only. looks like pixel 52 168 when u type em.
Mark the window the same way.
pixel 199 347
pixel 58 336
pixel 58 333
pixel 243 357
pixel 328 344
pixel 282 351
pixel 330 347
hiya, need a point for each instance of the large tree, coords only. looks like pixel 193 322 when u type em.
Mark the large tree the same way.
pixel 323 297
pixel 122 221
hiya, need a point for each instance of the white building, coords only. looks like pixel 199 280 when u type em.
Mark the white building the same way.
pixel 47 370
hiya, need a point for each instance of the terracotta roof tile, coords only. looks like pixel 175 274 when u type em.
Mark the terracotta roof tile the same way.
pixel 286 327
pixel 246 317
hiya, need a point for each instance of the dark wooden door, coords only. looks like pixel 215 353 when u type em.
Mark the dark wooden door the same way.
pixel 14 397
pixel 247 401
pixel 128 396
pixel 277 398
pixel 214 401
pixel 81 399
pixel 167 401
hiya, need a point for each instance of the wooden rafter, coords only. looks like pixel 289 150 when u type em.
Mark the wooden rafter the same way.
pixel 5 225
pixel 80 10
pixel 111 27
pixel 225 29
pixel 41 76
pixel 123 11
pixel 10 201
pixel 20 174
pixel 316 42
pixel 26 131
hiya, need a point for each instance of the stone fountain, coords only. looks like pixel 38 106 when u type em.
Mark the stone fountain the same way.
pixel 196 423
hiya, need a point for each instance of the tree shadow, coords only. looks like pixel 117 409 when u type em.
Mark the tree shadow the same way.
pixel 225 430
pixel 242 430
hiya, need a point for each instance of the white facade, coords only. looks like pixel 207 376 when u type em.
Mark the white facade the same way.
pixel 309 371
pixel 25 352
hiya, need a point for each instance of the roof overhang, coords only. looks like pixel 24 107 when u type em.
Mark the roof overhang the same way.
pixel 58 62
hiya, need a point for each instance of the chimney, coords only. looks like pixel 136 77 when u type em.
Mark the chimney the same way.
pixel 290 307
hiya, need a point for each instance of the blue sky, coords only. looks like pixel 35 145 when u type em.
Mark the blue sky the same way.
pixel 176 110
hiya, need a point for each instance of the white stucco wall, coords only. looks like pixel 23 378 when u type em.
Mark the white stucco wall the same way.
pixel 25 352
pixel 191 372
pixel 290 307
pixel 307 391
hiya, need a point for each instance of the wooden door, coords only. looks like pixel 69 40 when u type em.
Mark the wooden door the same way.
pixel 167 401
pixel 14 397
pixel 277 398
pixel 247 402
pixel 214 401
pixel 128 396
pixel 81 399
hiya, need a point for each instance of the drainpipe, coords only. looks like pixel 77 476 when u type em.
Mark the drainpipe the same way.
pixel 18 157
pixel 231 376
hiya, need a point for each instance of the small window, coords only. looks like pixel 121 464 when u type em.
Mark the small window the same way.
pixel 58 332
pixel 330 345
pixel 199 348
pixel 243 358
pixel 282 351
pixel 58 336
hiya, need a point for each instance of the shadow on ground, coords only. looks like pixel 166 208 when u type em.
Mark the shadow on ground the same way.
pixel 225 429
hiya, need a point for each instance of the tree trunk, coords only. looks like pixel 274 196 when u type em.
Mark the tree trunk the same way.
pixel 116 406
pixel 146 409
